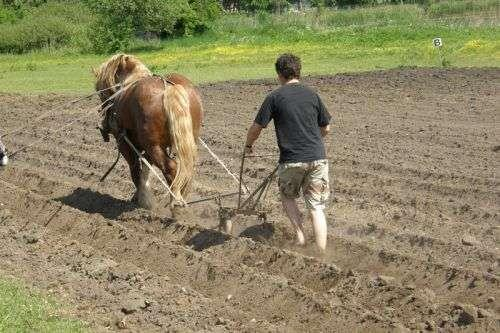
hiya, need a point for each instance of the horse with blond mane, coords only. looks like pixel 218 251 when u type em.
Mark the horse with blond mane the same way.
pixel 161 116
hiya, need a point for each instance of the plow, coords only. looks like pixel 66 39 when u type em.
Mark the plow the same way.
pixel 254 204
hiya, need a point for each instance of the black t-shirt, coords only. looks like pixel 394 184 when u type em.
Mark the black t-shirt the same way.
pixel 298 114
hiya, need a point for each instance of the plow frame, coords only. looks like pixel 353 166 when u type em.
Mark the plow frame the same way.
pixel 253 205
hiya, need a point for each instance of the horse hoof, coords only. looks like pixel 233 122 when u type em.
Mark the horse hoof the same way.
pixel 144 200
pixel 226 226
pixel 146 204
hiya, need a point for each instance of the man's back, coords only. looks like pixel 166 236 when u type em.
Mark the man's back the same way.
pixel 298 114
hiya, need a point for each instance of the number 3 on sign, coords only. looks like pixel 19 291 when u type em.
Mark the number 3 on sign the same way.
pixel 437 42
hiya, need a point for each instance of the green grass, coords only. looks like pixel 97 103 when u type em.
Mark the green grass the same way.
pixel 24 311
pixel 245 47
pixel 461 7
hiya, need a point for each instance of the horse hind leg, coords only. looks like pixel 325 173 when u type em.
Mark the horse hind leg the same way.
pixel 164 163
pixel 143 194
pixel 140 176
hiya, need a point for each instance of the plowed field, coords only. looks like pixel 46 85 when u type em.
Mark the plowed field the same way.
pixel 413 221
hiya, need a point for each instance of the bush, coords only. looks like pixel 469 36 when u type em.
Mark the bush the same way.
pixel 8 15
pixel 50 25
pixel 383 15
pixel 345 3
pixel 207 12
pixel 459 7
pixel 264 5
pixel 119 21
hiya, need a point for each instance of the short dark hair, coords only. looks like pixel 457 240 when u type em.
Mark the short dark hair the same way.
pixel 288 66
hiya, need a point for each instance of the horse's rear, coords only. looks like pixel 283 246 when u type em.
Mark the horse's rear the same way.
pixel 162 117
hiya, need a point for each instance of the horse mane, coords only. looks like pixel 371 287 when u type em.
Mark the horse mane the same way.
pixel 106 74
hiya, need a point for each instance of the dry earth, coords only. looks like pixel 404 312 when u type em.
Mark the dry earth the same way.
pixel 413 221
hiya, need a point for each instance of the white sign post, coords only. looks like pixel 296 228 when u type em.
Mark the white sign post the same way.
pixel 438 43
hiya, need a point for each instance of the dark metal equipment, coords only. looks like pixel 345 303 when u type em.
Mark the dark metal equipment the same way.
pixel 253 205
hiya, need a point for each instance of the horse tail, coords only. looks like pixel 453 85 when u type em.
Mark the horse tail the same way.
pixel 180 127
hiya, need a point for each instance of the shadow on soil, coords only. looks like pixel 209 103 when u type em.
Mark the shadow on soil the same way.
pixel 92 202
pixel 208 238
pixel 259 233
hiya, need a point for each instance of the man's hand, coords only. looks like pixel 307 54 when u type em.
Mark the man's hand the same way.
pixel 252 135
pixel 325 130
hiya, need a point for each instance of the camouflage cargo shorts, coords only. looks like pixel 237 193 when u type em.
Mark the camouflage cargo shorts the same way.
pixel 310 177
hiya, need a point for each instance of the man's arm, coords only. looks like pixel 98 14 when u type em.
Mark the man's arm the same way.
pixel 323 118
pixel 263 118
pixel 252 135
pixel 325 130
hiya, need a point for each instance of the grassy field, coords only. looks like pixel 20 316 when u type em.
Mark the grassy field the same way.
pixel 23 311
pixel 245 47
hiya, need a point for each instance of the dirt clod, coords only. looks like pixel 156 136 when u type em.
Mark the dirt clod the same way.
pixel 465 314
pixel 383 280
pixel 121 324
pixel 134 303
pixel 469 241
pixel 30 239
pixel 430 325
pixel 221 321
pixel 369 316
pixel 482 313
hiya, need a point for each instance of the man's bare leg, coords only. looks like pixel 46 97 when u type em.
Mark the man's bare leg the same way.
pixel 293 213
pixel 319 226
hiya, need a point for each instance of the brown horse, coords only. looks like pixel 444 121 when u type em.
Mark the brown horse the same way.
pixel 161 117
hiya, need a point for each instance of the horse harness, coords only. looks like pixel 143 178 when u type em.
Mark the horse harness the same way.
pixel 165 81
pixel 111 120
pixel 111 117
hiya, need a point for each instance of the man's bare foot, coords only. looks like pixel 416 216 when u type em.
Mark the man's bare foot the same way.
pixel 4 160
pixel 301 240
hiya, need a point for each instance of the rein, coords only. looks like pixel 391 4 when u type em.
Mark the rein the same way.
pixel 58 107
pixel 100 106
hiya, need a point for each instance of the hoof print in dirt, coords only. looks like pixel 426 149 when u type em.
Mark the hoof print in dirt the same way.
pixel 167 221
pixel 464 314
pixel 30 239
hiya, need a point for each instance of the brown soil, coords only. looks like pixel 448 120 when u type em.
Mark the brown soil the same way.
pixel 413 221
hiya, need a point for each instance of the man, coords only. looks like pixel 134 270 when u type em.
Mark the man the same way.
pixel 3 155
pixel 301 122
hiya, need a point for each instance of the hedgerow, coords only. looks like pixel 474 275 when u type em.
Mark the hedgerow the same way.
pixel 50 25
pixel 119 21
